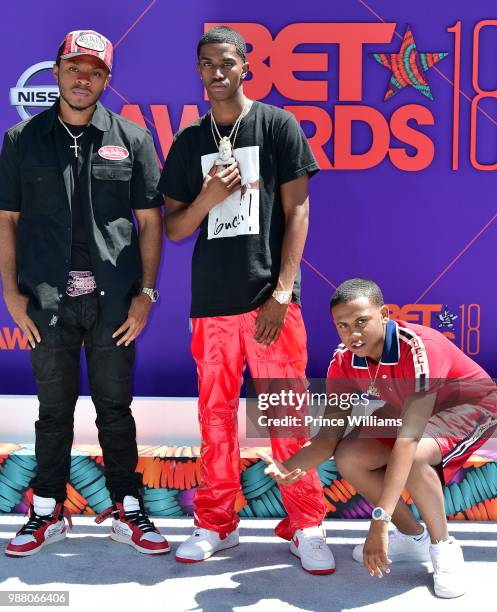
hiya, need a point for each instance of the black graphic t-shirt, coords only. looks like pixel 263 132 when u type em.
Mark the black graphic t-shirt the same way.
pixel 237 256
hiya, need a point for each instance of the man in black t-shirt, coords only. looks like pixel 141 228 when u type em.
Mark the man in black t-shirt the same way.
pixel 75 270
pixel 240 175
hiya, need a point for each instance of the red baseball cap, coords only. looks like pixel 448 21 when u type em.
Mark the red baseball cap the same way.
pixel 86 42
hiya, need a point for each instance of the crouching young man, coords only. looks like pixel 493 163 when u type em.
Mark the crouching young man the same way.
pixel 446 406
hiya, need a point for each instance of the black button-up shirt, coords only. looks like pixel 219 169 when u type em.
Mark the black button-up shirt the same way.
pixel 35 180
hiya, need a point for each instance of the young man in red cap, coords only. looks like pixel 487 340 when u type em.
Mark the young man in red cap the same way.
pixel 445 406
pixel 75 270
pixel 240 175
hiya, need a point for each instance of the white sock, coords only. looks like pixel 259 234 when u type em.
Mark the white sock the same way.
pixel 446 541
pixel 130 503
pixel 43 505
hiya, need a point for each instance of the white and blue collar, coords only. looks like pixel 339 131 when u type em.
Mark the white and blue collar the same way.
pixel 391 348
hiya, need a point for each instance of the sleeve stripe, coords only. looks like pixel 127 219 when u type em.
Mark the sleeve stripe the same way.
pixel 419 357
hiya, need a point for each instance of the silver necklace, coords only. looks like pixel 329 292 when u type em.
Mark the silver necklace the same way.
pixel 373 389
pixel 75 146
pixel 224 144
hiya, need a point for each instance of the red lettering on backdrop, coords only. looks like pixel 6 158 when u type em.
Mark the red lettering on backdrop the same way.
pixel 284 62
pixel 425 149
pixel 344 158
pixel 162 121
pixel 456 29
pixel 415 313
pixel 275 62
pixel 133 113
pixel 11 339
pixel 323 129
pixel 481 94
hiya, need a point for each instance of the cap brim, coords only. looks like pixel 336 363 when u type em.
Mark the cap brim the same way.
pixel 78 53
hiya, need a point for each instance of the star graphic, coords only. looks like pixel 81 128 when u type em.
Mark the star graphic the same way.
pixel 407 66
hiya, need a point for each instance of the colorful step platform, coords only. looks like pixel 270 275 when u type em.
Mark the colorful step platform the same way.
pixel 171 475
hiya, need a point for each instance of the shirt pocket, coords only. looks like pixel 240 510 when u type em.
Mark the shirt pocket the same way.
pixel 111 188
pixel 42 190
pixel 107 172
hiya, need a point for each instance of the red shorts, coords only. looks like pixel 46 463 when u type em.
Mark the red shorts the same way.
pixel 459 431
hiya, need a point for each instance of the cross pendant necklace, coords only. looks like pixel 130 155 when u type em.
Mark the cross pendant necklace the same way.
pixel 75 146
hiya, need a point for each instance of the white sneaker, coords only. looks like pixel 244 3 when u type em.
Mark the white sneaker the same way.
pixel 448 569
pixel 203 543
pixel 310 546
pixel 402 547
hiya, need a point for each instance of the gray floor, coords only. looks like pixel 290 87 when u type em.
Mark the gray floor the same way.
pixel 258 575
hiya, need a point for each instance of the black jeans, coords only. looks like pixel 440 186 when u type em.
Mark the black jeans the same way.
pixel 56 366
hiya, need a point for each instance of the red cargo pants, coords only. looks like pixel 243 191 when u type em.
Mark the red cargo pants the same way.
pixel 220 347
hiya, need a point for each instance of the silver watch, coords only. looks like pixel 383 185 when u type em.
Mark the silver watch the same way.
pixel 153 294
pixel 282 297
pixel 379 514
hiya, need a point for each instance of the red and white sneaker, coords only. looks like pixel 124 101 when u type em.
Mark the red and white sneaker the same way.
pixel 310 546
pixel 136 529
pixel 39 531
pixel 203 543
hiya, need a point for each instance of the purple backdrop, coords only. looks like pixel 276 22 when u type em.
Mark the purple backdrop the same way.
pixel 405 229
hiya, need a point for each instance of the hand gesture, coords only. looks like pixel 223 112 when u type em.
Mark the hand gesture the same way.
pixel 136 321
pixel 269 322
pixel 375 554
pixel 278 472
pixel 17 305
pixel 219 183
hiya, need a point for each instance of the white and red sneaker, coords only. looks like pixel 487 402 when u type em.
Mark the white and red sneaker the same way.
pixel 135 528
pixel 310 546
pixel 203 543
pixel 39 531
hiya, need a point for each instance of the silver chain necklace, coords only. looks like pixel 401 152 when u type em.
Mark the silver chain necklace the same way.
pixel 75 146
pixel 224 144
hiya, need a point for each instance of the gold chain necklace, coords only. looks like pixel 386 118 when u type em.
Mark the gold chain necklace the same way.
pixel 373 389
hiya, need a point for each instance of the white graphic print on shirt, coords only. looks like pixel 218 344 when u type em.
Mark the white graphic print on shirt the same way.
pixel 238 214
